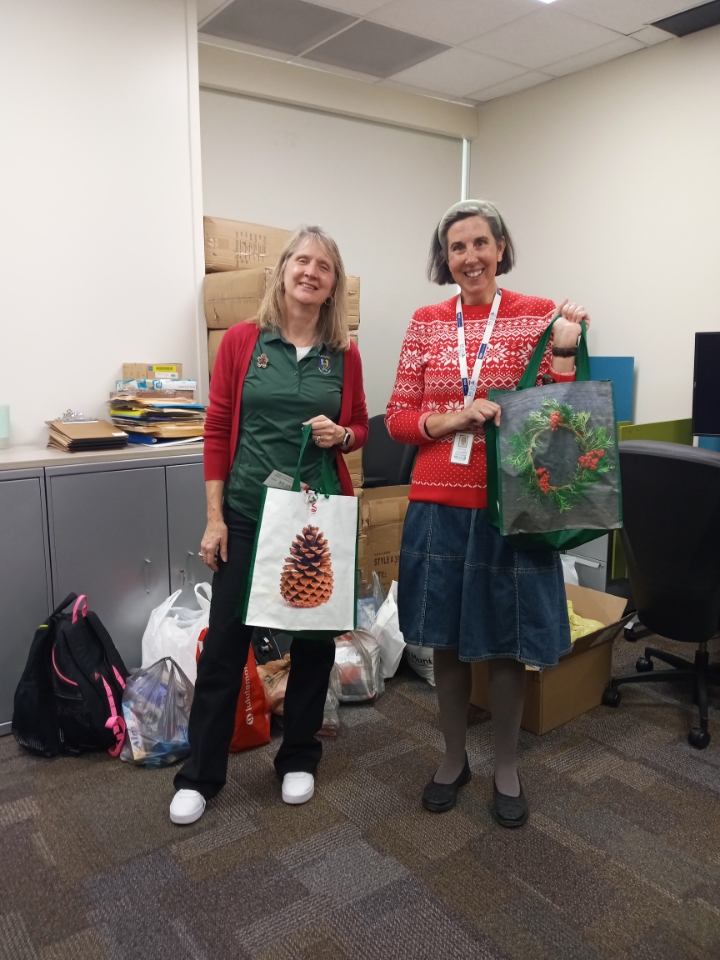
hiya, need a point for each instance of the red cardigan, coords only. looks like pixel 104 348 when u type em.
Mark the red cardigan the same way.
pixel 222 425
pixel 428 381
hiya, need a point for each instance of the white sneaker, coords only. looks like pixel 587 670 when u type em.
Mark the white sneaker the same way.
pixel 298 787
pixel 187 806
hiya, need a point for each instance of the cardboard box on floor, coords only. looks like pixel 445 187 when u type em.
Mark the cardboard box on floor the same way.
pixel 576 684
pixel 383 512
pixel 353 461
pixel 236 295
pixel 236 245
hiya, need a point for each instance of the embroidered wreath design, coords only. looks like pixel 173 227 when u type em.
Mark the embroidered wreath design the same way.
pixel 592 462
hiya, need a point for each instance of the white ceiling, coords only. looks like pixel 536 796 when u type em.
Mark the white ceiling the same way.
pixel 495 47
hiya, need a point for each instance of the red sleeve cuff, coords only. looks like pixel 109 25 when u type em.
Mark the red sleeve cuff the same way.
pixel 423 435
pixel 563 377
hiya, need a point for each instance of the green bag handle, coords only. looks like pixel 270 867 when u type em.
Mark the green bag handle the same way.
pixel 327 485
pixel 582 361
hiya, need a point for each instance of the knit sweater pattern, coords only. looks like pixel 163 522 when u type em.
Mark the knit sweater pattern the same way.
pixel 428 381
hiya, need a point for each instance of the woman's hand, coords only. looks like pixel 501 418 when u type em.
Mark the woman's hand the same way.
pixel 566 330
pixel 473 416
pixel 325 433
pixel 215 539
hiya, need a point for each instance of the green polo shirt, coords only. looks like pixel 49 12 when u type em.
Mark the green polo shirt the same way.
pixel 279 394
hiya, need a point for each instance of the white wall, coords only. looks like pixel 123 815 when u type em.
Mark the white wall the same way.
pixel 609 182
pixel 100 244
pixel 378 190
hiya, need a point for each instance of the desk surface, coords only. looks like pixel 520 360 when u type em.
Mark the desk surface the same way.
pixel 35 455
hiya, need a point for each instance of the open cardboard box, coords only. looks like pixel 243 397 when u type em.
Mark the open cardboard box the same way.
pixel 576 684
pixel 383 512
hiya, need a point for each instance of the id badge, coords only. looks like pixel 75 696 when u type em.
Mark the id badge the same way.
pixel 462 447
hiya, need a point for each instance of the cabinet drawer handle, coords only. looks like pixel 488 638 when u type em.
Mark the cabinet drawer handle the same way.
pixel 146 575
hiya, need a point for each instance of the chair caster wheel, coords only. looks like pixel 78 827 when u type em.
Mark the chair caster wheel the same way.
pixel 644 665
pixel 629 634
pixel 698 738
pixel 611 697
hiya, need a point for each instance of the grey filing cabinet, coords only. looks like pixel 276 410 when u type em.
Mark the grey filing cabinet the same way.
pixel 591 563
pixel 25 586
pixel 187 517
pixel 109 540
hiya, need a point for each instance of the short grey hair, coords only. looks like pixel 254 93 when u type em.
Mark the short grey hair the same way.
pixel 438 270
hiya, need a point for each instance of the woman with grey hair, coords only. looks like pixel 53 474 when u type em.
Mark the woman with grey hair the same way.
pixel 463 590
pixel 294 364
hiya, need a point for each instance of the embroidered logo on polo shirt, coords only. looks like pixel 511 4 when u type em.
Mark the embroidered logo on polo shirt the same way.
pixel 324 363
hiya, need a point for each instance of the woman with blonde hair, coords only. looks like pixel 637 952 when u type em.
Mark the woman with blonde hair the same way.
pixel 293 365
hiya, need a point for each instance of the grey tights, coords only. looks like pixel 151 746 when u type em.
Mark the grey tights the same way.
pixel 506 685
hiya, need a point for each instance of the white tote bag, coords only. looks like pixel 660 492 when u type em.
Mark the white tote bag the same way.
pixel 174 631
pixel 303 572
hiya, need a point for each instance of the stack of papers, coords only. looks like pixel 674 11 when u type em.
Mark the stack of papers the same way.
pixel 157 418
pixel 87 435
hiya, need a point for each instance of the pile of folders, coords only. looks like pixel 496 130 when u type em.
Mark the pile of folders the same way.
pixel 147 420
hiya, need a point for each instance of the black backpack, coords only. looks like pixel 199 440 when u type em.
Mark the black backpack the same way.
pixel 69 698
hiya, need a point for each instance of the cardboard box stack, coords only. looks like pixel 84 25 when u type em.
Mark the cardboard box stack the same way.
pixel 236 245
pixel 576 684
pixel 239 261
pixel 382 513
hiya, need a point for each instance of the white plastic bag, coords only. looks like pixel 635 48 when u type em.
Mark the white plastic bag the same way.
pixel 331 716
pixel 386 630
pixel 357 673
pixel 174 632
pixel 569 569
pixel 421 660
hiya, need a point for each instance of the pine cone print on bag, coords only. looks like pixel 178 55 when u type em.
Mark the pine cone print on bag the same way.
pixel 307 578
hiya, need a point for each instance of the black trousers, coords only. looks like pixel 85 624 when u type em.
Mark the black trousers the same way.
pixel 220 669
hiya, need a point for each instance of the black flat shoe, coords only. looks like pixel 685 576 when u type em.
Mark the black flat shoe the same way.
pixel 441 797
pixel 509 811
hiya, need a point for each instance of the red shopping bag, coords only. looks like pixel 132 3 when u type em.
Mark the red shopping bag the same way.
pixel 252 717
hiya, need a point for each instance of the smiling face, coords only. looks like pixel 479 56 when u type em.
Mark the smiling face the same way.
pixel 473 256
pixel 309 275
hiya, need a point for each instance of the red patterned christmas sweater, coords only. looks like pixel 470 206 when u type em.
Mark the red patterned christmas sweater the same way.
pixel 428 381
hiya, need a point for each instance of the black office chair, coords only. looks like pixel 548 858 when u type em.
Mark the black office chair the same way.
pixel 671 535
pixel 386 463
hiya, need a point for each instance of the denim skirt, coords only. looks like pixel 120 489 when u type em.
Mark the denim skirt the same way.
pixel 462 587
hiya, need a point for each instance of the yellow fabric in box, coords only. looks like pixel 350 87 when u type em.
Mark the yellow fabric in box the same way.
pixel 581 626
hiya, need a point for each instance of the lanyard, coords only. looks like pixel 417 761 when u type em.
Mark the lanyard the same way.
pixel 470 386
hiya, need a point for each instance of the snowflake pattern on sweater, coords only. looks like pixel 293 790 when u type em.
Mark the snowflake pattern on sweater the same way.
pixel 428 381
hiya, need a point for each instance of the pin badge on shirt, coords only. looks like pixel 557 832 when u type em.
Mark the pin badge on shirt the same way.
pixel 323 364
pixel 262 361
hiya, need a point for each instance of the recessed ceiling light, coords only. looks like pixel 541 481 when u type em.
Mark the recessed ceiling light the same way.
pixel 547 1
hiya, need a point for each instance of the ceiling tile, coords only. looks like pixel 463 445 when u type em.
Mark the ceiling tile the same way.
pixel 205 8
pixel 625 16
pixel 458 71
pixel 375 49
pixel 523 82
pixel 288 25
pixel 651 35
pixel 359 8
pixel 610 51
pixel 451 21
pixel 541 38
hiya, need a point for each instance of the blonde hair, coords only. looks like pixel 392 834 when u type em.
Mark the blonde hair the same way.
pixel 332 327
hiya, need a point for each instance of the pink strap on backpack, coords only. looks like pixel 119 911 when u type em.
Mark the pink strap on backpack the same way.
pixel 114 722
pixel 82 599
